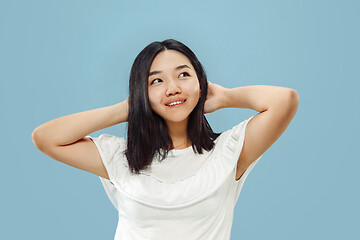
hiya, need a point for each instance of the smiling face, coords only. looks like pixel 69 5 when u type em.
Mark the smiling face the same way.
pixel 173 86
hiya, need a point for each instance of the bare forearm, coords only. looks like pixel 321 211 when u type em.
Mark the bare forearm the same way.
pixel 257 97
pixel 70 128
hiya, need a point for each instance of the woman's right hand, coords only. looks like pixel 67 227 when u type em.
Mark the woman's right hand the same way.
pixel 214 97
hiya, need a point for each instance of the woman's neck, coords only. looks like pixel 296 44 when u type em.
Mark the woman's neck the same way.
pixel 178 134
pixel 183 145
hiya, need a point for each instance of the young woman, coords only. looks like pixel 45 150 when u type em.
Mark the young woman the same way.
pixel 173 177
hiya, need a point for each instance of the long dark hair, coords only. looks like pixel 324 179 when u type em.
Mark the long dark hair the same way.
pixel 147 131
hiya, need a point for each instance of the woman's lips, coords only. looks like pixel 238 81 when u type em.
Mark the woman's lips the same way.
pixel 178 104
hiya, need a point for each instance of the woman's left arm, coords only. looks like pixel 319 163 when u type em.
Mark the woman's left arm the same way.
pixel 276 106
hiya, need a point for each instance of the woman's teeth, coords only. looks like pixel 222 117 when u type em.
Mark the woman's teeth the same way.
pixel 175 103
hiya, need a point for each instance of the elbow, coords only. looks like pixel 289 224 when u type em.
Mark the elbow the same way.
pixel 294 98
pixel 36 139
pixel 35 135
pixel 287 102
pixel 289 96
pixel 294 94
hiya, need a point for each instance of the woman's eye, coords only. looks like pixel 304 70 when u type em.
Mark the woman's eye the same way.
pixel 185 73
pixel 159 80
pixel 154 81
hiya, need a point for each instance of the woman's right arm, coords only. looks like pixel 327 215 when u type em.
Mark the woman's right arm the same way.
pixel 63 139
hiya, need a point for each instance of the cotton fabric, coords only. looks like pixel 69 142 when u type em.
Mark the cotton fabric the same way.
pixel 185 196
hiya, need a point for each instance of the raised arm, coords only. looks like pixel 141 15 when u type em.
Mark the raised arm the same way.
pixel 63 139
pixel 276 106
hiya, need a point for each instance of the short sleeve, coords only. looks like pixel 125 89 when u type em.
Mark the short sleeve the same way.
pixel 108 147
pixel 111 152
pixel 236 142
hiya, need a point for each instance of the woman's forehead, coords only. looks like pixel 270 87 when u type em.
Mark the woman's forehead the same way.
pixel 169 60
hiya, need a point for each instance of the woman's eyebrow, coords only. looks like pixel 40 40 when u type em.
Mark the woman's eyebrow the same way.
pixel 177 68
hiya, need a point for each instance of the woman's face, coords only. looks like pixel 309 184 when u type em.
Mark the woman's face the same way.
pixel 173 86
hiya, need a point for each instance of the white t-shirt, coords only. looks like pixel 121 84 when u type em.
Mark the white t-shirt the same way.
pixel 186 196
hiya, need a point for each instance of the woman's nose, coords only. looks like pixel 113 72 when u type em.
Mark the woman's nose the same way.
pixel 172 89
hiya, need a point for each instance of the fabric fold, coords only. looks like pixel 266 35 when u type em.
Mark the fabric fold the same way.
pixel 110 148
pixel 148 190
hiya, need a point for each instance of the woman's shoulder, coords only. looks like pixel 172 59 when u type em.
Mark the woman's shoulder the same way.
pixel 233 134
pixel 109 142
pixel 108 137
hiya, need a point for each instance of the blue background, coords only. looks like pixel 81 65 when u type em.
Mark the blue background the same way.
pixel 63 57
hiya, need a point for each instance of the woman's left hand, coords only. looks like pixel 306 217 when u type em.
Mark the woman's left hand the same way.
pixel 214 97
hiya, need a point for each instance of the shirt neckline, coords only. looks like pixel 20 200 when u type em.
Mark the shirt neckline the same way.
pixel 180 152
pixel 174 153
